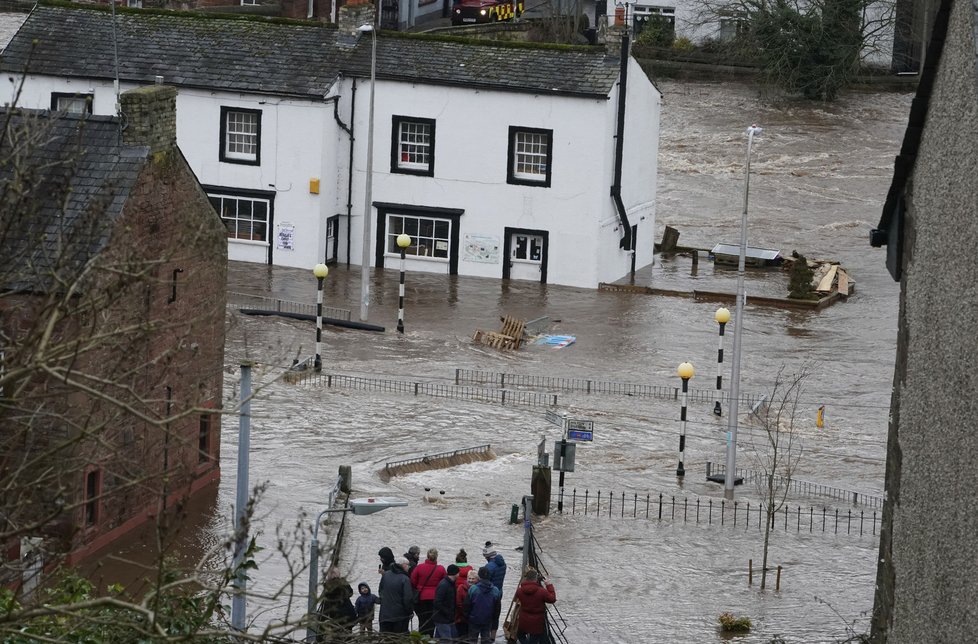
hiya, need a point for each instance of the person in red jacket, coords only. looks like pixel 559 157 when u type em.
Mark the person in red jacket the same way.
pixel 534 594
pixel 425 578
pixel 461 592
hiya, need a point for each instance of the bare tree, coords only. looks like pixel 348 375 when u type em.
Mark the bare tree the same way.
pixel 776 448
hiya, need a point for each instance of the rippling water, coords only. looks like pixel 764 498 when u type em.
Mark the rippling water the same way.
pixel 819 176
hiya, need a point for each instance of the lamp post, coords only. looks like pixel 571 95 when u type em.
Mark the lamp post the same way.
pixel 730 476
pixel 368 189
pixel 685 371
pixel 722 316
pixel 320 271
pixel 403 241
pixel 358 507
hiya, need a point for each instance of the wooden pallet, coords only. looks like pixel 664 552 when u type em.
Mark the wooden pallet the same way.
pixel 509 336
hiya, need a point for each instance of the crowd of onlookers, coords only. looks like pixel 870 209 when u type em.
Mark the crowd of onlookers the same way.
pixel 454 603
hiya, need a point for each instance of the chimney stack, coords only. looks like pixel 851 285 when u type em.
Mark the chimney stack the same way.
pixel 351 17
pixel 150 117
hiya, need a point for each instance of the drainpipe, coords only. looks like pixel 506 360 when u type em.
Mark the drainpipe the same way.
pixel 349 172
pixel 626 240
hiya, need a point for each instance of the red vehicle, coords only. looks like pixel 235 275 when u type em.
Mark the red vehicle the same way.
pixel 466 12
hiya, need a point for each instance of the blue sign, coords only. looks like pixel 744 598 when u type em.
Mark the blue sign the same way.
pixel 580 435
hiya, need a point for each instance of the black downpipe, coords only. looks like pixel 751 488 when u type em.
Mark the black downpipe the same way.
pixel 349 172
pixel 626 240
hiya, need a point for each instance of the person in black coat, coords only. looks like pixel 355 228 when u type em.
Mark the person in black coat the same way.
pixel 396 598
pixel 443 615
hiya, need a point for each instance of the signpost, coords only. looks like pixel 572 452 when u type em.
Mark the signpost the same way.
pixel 574 430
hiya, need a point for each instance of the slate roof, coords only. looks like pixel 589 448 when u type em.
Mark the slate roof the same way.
pixel 257 55
pixel 582 71
pixel 75 179
pixel 253 55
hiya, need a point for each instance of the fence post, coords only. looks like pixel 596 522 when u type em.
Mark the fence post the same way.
pixel 660 506
pixel 589 386
pixel 415 389
pixel 586 492
pixel 456 375
pixel 777 582
pixel 573 500
pixel 735 513
pixel 697 511
pixel 329 380
pixel 502 380
pixel 722 508
pixel 503 397
pixel 837 520
pixel 860 523
pixel 635 506
pixel 710 510
pixel 750 572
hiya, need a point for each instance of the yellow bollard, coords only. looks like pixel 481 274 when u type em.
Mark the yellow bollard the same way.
pixel 820 418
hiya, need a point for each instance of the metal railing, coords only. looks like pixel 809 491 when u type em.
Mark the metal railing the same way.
pixel 804 488
pixel 244 300
pixel 721 513
pixel 435 390
pixel 427 458
pixel 551 383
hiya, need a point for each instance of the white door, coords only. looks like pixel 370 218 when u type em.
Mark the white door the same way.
pixel 525 256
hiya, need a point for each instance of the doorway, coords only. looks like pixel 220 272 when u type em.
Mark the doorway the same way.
pixel 525 252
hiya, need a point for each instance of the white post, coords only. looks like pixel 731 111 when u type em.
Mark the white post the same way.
pixel 240 581
pixel 731 474
pixel 367 206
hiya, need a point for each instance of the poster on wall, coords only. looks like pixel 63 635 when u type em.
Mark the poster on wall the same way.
pixel 481 248
pixel 285 236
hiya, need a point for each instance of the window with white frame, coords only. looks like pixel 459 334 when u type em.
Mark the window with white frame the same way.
pixel 413 145
pixel 246 3
pixel 240 135
pixel 530 156
pixel 733 24
pixel 71 103
pixel 134 4
pixel 430 236
pixel 244 217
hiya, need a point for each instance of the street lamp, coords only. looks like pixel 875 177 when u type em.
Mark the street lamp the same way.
pixel 358 507
pixel 320 271
pixel 685 371
pixel 403 241
pixel 731 475
pixel 368 189
pixel 722 316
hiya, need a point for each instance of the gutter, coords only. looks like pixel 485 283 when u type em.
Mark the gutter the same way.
pixel 626 242
pixel 349 171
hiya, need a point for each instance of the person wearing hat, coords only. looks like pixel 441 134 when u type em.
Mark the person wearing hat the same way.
pixel 482 606
pixel 496 566
pixel 443 614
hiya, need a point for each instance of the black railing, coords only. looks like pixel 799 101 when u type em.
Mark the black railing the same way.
pixel 803 488
pixel 721 512
pixel 427 458
pixel 556 383
pixel 436 390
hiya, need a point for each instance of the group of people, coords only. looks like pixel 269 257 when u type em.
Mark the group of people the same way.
pixel 454 603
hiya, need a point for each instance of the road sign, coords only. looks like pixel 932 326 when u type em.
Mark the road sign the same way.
pixel 555 418
pixel 578 435
pixel 580 430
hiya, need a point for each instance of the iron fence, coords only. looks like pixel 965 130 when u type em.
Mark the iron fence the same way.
pixel 435 390
pixel 263 303
pixel 551 383
pixel 427 458
pixel 800 487
pixel 722 513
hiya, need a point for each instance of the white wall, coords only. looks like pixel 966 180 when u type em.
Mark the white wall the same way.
pixel 292 153
pixel 471 157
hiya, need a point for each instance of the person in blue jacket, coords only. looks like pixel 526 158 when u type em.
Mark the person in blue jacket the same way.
pixel 497 574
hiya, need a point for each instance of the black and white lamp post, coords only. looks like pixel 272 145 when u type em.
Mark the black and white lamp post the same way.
pixel 358 507
pixel 722 316
pixel 685 371
pixel 320 271
pixel 403 241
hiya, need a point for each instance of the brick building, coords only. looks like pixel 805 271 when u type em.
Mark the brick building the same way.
pixel 112 302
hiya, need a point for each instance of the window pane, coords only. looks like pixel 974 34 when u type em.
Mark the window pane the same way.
pixel 531 155
pixel 244 218
pixel 414 145
pixel 242 135
pixel 430 237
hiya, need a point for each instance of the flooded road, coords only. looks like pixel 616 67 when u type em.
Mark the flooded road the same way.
pixel 819 176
